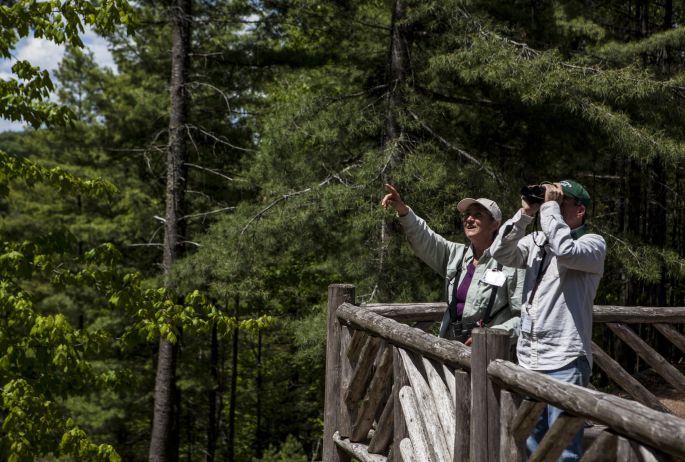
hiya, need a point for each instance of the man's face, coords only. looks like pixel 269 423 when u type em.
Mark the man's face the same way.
pixel 477 222
pixel 572 213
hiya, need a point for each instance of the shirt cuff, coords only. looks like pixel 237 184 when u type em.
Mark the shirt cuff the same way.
pixel 521 217
pixel 408 220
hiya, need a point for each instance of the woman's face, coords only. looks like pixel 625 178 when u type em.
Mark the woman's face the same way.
pixel 477 223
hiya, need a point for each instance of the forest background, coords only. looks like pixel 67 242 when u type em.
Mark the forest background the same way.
pixel 250 142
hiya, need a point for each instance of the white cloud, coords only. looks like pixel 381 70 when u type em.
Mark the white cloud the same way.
pixel 46 55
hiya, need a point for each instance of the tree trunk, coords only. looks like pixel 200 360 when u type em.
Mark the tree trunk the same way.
pixel 211 425
pixel 164 439
pixel 234 383
pixel 397 69
pixel 259 395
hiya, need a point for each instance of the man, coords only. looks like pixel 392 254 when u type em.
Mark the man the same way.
pixel 564 264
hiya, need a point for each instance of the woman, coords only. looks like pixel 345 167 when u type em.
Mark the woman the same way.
pixel 478 290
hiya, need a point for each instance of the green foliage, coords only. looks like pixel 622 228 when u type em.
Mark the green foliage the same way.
pixel 290 451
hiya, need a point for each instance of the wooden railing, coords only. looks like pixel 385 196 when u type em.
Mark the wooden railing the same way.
pixel 396 393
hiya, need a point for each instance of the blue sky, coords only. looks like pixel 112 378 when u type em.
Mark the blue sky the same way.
pixel 47 55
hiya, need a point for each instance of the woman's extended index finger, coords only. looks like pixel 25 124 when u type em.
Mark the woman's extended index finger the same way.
pixel 391 189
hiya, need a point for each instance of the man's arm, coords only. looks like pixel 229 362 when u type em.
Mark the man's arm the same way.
pixel 585 254
pixel 507 248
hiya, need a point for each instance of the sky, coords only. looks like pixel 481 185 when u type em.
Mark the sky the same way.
pixel 46 55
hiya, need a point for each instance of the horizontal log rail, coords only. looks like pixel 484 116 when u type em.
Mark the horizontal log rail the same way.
pixel 415 312
pixel 408 312
pixel 453 354
pixel 660 430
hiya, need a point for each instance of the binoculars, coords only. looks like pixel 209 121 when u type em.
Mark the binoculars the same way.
pixel 461 332
pixel 533 194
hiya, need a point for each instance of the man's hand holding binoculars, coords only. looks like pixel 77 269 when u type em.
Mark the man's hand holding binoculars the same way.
pixel 530 200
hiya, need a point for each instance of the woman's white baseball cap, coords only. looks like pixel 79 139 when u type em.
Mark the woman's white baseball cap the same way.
pixel 491 206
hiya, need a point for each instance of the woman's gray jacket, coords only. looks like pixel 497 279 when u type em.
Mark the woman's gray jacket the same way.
pixel 445 256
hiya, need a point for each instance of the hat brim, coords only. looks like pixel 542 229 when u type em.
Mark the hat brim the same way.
pixel 464 204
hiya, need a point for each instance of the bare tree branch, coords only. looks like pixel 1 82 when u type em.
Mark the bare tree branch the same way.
pixel 464 154
pixel 207 213
pixel 214 171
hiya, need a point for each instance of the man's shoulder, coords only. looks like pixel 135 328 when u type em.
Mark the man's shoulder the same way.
pixel 592 237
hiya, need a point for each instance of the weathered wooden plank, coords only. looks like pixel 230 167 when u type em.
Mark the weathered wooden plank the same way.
pixel 670 332
pixel 498 348
pixel 651 357
pixel 453 354
pixel 356 450
pixel 462 433
pixel 638 314
pixel 510 450
pixel 525 419
pixel 373 397
pixel 658 429
pixel 346 414
pixel 557 438
pixel 603 449
pixel 415 427
pixel 337 294
pixel 427 406
pixel 448 372
pixel 400 431
pixel 411 312
pixel 627 450
pixel 356 344
pixel 443 401
pixel 408 312
pixel 360 377
pixel 479 399
pixel 626 381
pixel 407 450
pixel 381 439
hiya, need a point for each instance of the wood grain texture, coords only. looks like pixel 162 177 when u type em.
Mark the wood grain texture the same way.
pixel 498 348
pixel 557 438
pixel 415 427
pixel 400 431
pixel 634 420
pixel 356 344
pixel 626 381
pixel 462 433
pixel 603 449
pixel 448 373
pixel 360 377
pixel 373 397
pixel 670 332
pixel 479 399
pixel 443 401
pixel 337 294
pixel 651 357
pixel 451 353
pixel 356 450
pixel 346 414
pixel 383 437
pixel 407 450
pixel 426 404
pixel 409 312
pixel 526 418
pixel 509 449
pixel 638 314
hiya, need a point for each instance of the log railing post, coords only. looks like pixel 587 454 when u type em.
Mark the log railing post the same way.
pixel 337 295
pixel 487 345
pixel 400 430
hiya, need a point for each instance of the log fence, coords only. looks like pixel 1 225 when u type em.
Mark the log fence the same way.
pixel 395 393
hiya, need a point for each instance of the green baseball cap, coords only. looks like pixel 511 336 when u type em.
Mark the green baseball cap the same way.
pixel 574 190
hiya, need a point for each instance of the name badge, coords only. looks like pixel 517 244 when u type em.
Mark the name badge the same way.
pixel 494 277
pixel 526 324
